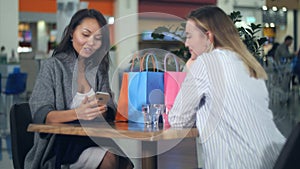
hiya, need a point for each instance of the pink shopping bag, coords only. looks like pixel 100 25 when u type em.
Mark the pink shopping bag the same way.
pixel 172 82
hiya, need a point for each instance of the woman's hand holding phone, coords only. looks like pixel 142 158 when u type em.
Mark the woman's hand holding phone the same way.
pixel 102 97
pixel 89 109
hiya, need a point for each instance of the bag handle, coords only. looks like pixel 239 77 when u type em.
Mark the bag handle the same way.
pixel 168 55
pixel 153 59
pixel 134 57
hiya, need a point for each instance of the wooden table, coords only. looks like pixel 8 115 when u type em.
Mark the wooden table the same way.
pixel 148 135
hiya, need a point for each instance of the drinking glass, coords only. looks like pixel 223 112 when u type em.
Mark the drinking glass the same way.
pixel 157 111
pixel 147 114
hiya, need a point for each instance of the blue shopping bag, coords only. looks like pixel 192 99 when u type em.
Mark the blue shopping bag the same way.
pixel 144 88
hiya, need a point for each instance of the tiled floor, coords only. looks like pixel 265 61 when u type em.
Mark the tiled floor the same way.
pixel 5 161
pixel 285 117
pixel 5 157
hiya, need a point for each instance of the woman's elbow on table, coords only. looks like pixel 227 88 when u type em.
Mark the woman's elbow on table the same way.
pixel 180 122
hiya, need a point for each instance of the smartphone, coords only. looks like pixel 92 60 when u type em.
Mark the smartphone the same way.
pixel 102 97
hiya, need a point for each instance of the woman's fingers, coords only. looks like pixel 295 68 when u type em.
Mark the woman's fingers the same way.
pixel 94 112
pixel 90 109
pixel 103 108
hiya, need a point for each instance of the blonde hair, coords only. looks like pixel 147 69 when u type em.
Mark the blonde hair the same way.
pixel 225 35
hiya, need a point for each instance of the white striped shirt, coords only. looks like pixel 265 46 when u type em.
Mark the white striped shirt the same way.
pixel 231 112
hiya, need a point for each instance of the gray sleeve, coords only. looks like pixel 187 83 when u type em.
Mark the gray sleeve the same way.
pixel 42 99
pixel 282 52
pixel 278 53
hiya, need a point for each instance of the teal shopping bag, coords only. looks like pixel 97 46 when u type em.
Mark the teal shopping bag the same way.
pixel 144 87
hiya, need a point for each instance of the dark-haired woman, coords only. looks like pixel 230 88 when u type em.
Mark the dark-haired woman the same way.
pixel 64 91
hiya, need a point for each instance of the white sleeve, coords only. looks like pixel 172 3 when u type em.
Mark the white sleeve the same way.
pixel 189 97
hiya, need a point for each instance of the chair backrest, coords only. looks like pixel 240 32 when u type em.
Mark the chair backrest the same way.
pixel 290 153
pixel 16 83
pixel 22 141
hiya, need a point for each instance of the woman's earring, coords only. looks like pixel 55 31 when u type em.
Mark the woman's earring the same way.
pixel 71 40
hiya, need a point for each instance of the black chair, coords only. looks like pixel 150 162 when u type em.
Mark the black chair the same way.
pixel 0 83
pixel 290 153
pixel 22 141
pixel 15 86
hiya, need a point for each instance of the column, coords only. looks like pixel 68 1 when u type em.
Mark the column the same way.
pixel 126 28
pixel 126 42
pixel 65 11
pixel 42 37
pixel 298 33
pixel 9 20
pixel 125 38
pixel 226 5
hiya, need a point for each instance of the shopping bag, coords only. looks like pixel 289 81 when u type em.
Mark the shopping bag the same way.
pixel 144 88
pixel 172 82
pixel 122 108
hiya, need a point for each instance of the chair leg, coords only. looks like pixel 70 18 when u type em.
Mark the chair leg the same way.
pixel 1 148
pixel 8 145
pixel 3 125
pixel 8 104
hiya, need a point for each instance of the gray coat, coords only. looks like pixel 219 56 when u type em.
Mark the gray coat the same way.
pixel 282 51
pixel 54 90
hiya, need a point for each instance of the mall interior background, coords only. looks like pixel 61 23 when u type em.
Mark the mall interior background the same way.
pixel 30 28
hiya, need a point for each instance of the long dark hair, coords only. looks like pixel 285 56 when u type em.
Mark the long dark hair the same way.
pixel 66 43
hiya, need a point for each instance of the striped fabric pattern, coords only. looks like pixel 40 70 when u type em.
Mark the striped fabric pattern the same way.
pixel 231 111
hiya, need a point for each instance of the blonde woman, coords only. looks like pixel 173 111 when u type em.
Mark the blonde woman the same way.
pixel 225 95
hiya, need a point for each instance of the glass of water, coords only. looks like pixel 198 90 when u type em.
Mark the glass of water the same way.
pixel 147 114
pixel 157 110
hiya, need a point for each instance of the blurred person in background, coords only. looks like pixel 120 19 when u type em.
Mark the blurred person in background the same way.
pixel 296 68
pixel 282 53
pixel 271 52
